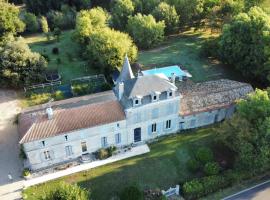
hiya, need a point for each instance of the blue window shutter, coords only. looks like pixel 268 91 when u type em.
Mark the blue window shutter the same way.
pixel 150 129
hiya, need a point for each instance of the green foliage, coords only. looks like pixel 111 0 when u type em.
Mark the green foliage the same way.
pixel 10 22
pixel 193 165
pixel 131 193
pixel 247 133
pixel 58 95
pixel 106 86
pixel 108 47
pixel 121 10
pixel 43 7
pixel 210 48
pixel 244 44
pixel 65 191
pixel 111 150
pixel 167 13
pixel 61 20
pixel 19 66
pixel 79 89
pixel 26 172
pixel 145 31
pixel 204 155
pixel 211 168
pixel 88 21
pixel 31 22
pixel 44 25
pixel 37 99
pixel 193 189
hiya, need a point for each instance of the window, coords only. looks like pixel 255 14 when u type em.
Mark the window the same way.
pixel 47 155
pixel 104 142
pixel 69 151
pixel 43 143
pixel 66 137
pixel 118 138
pixel 154 128
pixel 154 97
pixel 168 124
pixel 118 125
pixel 136 102
pixel 137 135
pixel 181 126
pixel 84 147
pixel 170 94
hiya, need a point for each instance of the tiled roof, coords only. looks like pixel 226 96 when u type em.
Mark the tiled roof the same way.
pixel 36 125
pixel 206 96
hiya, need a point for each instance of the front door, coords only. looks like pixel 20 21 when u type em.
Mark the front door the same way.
pixel 137 135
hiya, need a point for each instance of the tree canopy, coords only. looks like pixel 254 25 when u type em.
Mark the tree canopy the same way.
pixel 10 22
pixel 245 44
pixel 167 13
pixel 19 66
pixel 248 132
pixel 145 31
pixel 121 10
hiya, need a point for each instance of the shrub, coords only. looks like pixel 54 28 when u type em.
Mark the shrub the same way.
pixel 55 50
pixel 105 87
pixel 210 48
pixel 58 60
pixel 58 95
pixel 26 172
pixel 47 58
pixel 65 191
pixel 36 99
pixel 193 189
pixel 111 150
pixel 211 168
pixel 204 155
pixel 193 165
pixel 103 154
pixel 131 193
pixel 82 89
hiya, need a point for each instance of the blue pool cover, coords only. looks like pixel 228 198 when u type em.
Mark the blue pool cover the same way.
pixel 167 71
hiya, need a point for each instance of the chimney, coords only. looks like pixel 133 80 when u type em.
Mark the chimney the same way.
pixel 49 112
pixel 173 78
pixel 120 88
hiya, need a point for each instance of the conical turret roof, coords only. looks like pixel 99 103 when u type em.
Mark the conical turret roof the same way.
pixel 126 72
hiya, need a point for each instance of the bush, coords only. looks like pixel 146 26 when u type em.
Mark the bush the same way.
pixel 103 154
pixel 82 89
pixel 193 165
pixel 211 168
pixel 111 150
pixel 210 48
pixel 26 172
pixel 58 95
pixel 36 99
pixel 65 191
pixel 55 50
pixel 193 189
pixel 131 193
pixel 47 58
pixel 204 155
pixel 105 87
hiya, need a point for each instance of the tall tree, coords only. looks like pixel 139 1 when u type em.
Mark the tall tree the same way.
pixel 10 22
pixel 31 22
pixel 145 31
pixel 121 10
pixel 167 13
pixel 19 66
pixel 245 44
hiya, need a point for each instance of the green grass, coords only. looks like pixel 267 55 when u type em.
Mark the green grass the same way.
pixel 163 167
pixel 266 6
pixel 185 49
pixel 71 66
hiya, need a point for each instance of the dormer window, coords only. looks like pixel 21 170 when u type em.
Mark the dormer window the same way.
pixel 137 101
pixel 170 93
pixel 155 96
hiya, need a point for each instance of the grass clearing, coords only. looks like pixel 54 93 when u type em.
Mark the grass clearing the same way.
pixel 67 62
pixel 163 167
pixel 185 49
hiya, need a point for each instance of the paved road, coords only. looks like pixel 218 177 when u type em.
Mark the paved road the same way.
pixel 9 148
pixel 258 192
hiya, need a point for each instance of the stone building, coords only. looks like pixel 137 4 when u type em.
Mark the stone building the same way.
pixel 138 109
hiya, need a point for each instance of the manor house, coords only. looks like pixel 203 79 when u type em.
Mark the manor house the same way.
pixel 137 110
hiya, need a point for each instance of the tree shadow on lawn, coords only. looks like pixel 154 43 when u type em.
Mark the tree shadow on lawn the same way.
pixel 163 167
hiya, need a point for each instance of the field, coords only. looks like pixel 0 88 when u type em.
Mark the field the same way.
pixel 185 49
pixel 67 62
pixel 163 167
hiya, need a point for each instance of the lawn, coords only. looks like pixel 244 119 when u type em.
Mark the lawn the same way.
pixel 185 49
pixel 163 167
pixel 67 62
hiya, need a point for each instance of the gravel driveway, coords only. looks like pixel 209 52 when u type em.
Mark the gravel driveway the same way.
pixel 9 148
